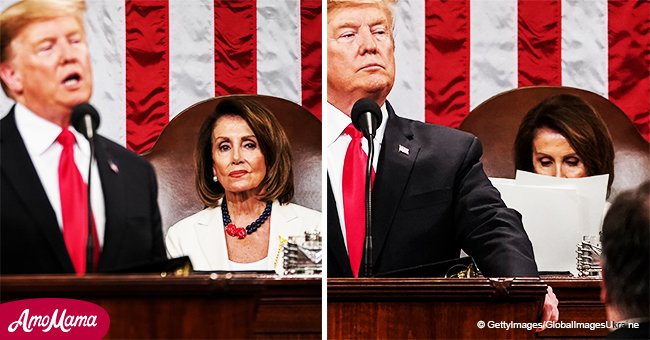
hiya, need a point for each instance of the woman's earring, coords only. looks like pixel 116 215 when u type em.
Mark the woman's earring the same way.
pixel 215 179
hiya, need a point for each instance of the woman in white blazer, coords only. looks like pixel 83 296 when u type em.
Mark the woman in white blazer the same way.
pixel 244 177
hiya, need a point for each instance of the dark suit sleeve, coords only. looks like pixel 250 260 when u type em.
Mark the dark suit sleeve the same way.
pixel 489 231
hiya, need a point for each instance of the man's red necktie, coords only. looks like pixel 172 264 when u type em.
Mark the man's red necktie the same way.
pixel 74 205
pixel 354 181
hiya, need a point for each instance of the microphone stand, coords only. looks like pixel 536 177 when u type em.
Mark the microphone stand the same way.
pixel 90 241
pixel 367 257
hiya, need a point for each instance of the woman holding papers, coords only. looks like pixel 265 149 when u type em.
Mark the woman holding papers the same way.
pixel 564 137
pixel 244 177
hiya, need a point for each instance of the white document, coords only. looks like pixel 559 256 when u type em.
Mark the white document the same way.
pixel 591 190
pixel 551 220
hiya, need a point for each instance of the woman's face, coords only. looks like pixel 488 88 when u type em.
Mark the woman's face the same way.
pixel 237 159
pixel 554 156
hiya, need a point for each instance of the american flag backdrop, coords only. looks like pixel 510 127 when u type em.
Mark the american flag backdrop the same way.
pixel 154 58
pixel 453 55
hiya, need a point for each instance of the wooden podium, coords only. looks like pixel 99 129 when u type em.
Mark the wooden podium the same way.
pixel 196 306
pixel 454 308
pixel 266 306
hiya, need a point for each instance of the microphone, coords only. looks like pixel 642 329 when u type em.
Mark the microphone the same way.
pixel 366 117
pixel 85 119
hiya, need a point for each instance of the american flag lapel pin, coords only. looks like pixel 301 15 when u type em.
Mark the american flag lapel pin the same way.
pixel 114 167
pixel 403 150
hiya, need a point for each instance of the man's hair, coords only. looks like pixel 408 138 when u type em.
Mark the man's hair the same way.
pixel 626 256
pixel 385 5
pixel 579 123
pixel 23 13
pixel 272 140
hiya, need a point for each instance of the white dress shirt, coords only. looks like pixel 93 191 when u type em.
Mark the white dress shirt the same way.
pixel 337 146
pixel 39 136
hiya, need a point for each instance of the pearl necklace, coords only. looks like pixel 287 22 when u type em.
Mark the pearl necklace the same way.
pixel 240 233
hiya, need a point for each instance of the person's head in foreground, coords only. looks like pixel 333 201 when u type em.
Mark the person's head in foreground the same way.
pixel 626 257
pixel 564 137
pixel 44 59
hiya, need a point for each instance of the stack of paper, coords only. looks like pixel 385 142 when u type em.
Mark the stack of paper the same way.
pixel 556 213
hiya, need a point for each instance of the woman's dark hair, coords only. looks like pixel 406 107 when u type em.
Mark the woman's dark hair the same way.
pixel 574 119
pixel 273 142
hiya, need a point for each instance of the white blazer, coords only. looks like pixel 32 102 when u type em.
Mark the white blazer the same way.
pixel 202 237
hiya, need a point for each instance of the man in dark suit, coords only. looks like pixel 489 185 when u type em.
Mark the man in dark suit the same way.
pixel 430 197
pixel 625 260
pixel 45 67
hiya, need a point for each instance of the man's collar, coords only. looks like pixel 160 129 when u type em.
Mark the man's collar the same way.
pixel 379 135
pixel 337 121
pixel 39 134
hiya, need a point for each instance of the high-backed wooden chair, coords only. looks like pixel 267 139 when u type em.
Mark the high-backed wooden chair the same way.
pixel 173 156
pixel 496 121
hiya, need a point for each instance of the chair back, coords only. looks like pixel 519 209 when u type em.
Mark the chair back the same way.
pixel 496 121
pixel 172 156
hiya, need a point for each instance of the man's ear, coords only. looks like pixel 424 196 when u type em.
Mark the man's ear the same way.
pixel 11 77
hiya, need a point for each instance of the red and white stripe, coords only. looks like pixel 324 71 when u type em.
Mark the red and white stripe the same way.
pixel 153 58
pixel 453 55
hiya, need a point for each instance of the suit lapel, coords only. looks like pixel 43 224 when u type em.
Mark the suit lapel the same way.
pixel 398 153
pixel 335 243
pixel 18 167
pixel 211 228
pixel 115 204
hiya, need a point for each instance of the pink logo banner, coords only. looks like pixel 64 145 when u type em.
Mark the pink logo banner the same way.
pixel 51 318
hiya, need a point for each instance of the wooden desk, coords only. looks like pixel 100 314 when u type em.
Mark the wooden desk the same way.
pixel 430 308
pixel 198 306
pixel 451 308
